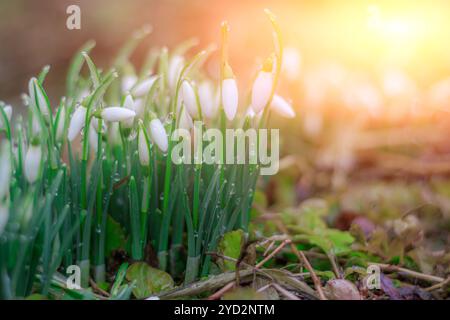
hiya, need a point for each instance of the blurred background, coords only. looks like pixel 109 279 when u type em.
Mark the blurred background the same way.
pixel 369 80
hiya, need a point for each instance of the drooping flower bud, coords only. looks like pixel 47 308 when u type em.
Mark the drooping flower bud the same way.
pixel 128 82
pixel 208 102
pixel 159 135
pixel 144 154
pixel 185 120
pixel 37 96
pixel 33 163
pixel 8 111
pixel 117 114
pixel 60 124
pixel 189 99
pixel 230 97
pixel 5 169
pixel 130 105
pixel 76 122
pixel 175 67
pixel 142 88
pixel 282 107
pixel 262 88
pixel 4 214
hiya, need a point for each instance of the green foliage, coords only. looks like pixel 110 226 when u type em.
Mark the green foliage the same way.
pixel 230 246
pixel 148 280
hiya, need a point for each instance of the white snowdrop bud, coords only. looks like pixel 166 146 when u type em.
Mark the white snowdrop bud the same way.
pixel 60 124
pixel 142 88
pixel 128 82
pixel 282 107
pixel 159 135
pixel 189 99
pixel 185 120
pixel 5 170
pixel 37 96
pixel 230 97
pixel 262 88
pixel 76 122
pixel 93 138
pixel 130 105
pixel 8 111
pixel 139 107
pixel 208 102
pixel 114 134
pixel 33 163
pixel 95 122
pixel 144 154
pixel 4 214
pixel 175 67
pixel 117 114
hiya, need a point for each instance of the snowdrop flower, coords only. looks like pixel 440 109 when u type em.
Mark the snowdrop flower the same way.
pixel 189 99
pixel 37 96
pixel 117 114
pixel 142 88
pixel 95 122
pixel 33 163
pixel 4 214
pixel 8 111
pixel 144 154
pixel 60 124
pixel 159 135
pixel 208 102
pixel 128 82
pixel 175 67
pixel 130 105
pixel 229 93
pixel 5 170
pixel 230 97
pixel 282 107
pixel 139 107
pixel 185 120
pixel 262 88
pixel 77 122
pixel 93 138
pixel 114 134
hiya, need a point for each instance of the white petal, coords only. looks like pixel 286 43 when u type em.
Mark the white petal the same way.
pixel 76 123
pixel 33 163
pixel 175 67
pixel 93 138
pixel 5 170
pixel 42 102
pixel 208 102
pixel 262 88
pixel 8 112
pixel 230 97
pixel 114 134
pixel 189 99
pixel 185 120
pixel 144 87
pixel 139 107
pixel 128 82
pixel 60 124
pixel 4 214
pixel 130 105
pixel 282 107
pixel 158 134
pixel 115 114
pixel 144 155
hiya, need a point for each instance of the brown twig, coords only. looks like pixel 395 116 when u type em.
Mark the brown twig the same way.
pixel 274 252
pixel 284 292
pixel 302 258
pixel 95 287
pixel 411 273
pixel 217 295
pixel 439 285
